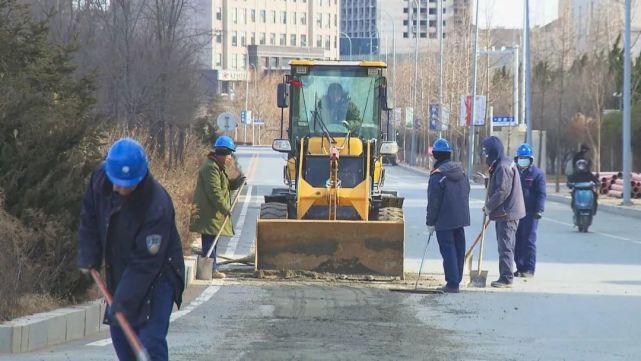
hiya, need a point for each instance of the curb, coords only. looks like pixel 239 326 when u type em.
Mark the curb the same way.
pixel 41 330
pixel 618 210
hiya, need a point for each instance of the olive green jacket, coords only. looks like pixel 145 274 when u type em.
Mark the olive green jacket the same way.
pixel 212 200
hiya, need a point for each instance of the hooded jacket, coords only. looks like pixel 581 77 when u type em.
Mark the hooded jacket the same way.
pixel 505 195
pixel 448 197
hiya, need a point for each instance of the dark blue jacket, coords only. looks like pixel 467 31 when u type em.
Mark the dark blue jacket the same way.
pixel 505 196
pixel 137 237
pixel 448 197
pixel 534 192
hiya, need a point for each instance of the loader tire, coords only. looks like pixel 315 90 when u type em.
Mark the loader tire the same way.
pixel 392 214
pixel 273 211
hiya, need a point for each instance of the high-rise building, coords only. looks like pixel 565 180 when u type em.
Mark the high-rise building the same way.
pixel 264 35
pixel 371 25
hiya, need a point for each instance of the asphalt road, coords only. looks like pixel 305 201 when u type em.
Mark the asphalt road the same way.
pixel 583 304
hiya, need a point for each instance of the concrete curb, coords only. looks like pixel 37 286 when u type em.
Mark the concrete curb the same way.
pixel 618 210
pixel 34 332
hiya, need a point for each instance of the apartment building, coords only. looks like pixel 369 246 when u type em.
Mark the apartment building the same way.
pixel 264 35
pixel 372 25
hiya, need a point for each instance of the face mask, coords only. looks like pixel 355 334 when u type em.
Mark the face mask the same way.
pixel 523 162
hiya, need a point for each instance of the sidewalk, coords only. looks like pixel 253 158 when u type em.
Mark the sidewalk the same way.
pixel 606 204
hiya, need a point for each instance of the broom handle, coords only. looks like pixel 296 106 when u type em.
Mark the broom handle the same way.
pixel 132 338
pixel 213 244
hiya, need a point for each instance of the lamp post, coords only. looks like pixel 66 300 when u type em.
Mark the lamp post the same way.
pixel 626 106
pixel 350 43
pixel 249 65
pixel 393 54
pixel 416 11
pixel 470 156
pixel 440 67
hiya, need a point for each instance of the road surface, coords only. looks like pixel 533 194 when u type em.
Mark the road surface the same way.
pixel 583 304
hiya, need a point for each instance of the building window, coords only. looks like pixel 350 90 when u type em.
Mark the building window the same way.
pixel 252 15
pixel 292 40
pixel 283 40
pixel 335 20
pixel 319 41
pixel 335 42
pixel 234 61
pixel 219 59
pixel 243 39
pixel 294 18
pixel 303 40
pixel 405 35
pixel 261 40
pixel 235 16
pixel 272 39
pixel 328 42
pixel 328 21
pixel 432 11
pixel 252 40
pixel 303 19
pixel 234 38
pixel 283 17
pixel 432 23
pixel 219 14
pixel 263 16
pixel 244 20
pixel 219 37
pixel 319 20
pixel 432 35
pixel 273 16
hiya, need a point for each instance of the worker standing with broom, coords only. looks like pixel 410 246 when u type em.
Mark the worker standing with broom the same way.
pixel 211 202
pixel 448 212
pixel 128 219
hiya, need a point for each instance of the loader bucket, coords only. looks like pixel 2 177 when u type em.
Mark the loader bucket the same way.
pixel 345 247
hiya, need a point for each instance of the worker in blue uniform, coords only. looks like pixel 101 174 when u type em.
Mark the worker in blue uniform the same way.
pixel 127 218
pixel 534 193
pixel 448 212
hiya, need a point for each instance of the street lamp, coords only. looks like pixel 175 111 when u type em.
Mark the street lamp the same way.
pixel 249 65
pixel 470 156
pixel 350 43
pixel 416 11
pixel 393 54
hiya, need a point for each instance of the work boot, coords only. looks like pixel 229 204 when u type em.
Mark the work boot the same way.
pixel 517 274
pixel 446 289
pixel 217 275
pixel 526 274
pixel 501 283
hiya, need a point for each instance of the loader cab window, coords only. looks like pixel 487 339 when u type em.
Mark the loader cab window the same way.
pixel 339 100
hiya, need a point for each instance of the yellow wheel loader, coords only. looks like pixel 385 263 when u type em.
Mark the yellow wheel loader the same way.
pixel 333 216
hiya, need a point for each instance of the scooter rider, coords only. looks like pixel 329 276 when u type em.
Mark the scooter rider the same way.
pixel 534 194
pixel 583 174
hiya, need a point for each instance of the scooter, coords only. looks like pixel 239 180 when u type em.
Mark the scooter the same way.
pixel 583 204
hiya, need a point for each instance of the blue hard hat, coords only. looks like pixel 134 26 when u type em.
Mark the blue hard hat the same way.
pixel 225 142
pixel 441 145
pixel 525 150
pixel 126 163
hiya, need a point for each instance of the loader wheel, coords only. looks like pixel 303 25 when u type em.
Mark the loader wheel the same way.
pixel 390 214
pixel 273 211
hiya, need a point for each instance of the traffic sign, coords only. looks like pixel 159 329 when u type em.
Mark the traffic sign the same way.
pixel 503 120
pixel 227 121
pixel 259 122
pixel 245 117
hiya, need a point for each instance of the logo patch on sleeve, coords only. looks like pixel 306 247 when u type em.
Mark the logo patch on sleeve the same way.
pixel 153 243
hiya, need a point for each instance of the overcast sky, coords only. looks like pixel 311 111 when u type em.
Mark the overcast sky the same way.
pixel 509 13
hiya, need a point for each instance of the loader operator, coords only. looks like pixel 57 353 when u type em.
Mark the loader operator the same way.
pixel 128 219
pixel 534 194
pixel 448 212
pixel 504 205
pixel 336 107
pixel 211 202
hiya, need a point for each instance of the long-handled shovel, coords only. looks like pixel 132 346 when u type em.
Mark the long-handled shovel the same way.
pixel 416 290
pixel 132 338
pixel 204 264
pixel 478 278
pixel 469 255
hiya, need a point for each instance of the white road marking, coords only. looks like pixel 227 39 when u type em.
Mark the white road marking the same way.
pixel 207 294
pixel 599 233
pixel 238 232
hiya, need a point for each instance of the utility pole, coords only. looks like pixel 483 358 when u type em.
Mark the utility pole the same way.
pixel 626 108
pixel 417 33
pixel 470 155
pixel 440 68
pixel 528 74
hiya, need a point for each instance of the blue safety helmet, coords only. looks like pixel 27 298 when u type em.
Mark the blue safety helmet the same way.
pixel 525 150
pixel 126 163
pixel 441 145
pixel 225 142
